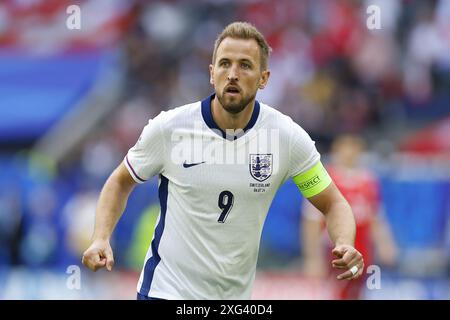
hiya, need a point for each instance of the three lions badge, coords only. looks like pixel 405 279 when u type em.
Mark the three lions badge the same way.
pixel 260 166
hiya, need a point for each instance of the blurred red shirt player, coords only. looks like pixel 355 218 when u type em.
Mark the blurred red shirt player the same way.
pixel 361 189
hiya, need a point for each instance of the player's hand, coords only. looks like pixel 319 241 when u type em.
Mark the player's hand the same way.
pixel 347 258
pixel 98 255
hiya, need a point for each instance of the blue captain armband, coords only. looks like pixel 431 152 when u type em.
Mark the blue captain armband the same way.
pixel 313 181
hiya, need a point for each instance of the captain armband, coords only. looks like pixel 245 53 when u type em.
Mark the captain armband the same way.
pixel 313 181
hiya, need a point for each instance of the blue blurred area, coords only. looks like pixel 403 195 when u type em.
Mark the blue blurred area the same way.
pixel 36 91
pixel 417 211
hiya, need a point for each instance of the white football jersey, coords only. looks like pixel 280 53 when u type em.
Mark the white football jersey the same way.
pixel 215 191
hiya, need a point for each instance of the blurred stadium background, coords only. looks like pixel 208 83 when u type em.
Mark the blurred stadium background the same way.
pixel 73 101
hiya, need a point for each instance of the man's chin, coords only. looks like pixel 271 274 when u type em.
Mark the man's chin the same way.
pixel 233 105
pixel 233 108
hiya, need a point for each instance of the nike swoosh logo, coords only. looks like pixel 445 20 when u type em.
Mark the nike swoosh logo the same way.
pixel 188 165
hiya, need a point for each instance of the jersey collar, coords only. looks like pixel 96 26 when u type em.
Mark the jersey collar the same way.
pixel 208 118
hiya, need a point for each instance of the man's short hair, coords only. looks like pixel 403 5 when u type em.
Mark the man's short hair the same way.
pixel 244 30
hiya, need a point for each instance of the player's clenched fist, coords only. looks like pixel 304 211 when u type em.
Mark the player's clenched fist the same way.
pixel 98 255
pixel 348 258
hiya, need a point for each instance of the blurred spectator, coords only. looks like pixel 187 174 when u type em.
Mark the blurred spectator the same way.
pixel 39 246
pixel 11 223
pixel 79 215
pixel 360 187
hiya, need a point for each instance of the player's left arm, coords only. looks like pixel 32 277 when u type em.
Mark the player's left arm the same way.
pixel 341 228
pixel 317 186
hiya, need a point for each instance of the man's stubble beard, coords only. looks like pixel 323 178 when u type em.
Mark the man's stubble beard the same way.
pixel 235 107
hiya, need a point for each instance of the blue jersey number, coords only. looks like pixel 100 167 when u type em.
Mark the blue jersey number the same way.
pixel 225 203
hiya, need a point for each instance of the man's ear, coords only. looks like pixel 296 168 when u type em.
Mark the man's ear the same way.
pixel 264 79
pixel 211 74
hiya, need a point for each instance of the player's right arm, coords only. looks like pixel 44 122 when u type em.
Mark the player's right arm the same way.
pixel 111 204
pixel 143 161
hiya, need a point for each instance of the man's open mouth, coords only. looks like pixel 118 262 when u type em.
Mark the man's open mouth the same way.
pixel 232 90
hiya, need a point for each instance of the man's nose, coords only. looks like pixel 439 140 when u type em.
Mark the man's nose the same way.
pixel 233 75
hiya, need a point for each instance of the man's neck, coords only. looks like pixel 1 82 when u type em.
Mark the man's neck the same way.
pixel 226 120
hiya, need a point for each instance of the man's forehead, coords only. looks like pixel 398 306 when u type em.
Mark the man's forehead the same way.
pixel 238 48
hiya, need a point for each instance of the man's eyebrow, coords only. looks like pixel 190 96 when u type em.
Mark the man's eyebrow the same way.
pixel 240 60
pixel 246 60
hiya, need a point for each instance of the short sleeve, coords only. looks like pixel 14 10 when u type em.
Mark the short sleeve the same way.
pixel 303 152
pixel 146 158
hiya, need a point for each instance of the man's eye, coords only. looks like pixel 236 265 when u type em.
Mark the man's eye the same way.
pixel 245 65
pixel 224 64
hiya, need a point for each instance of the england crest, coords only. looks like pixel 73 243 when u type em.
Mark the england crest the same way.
pixel 260 166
